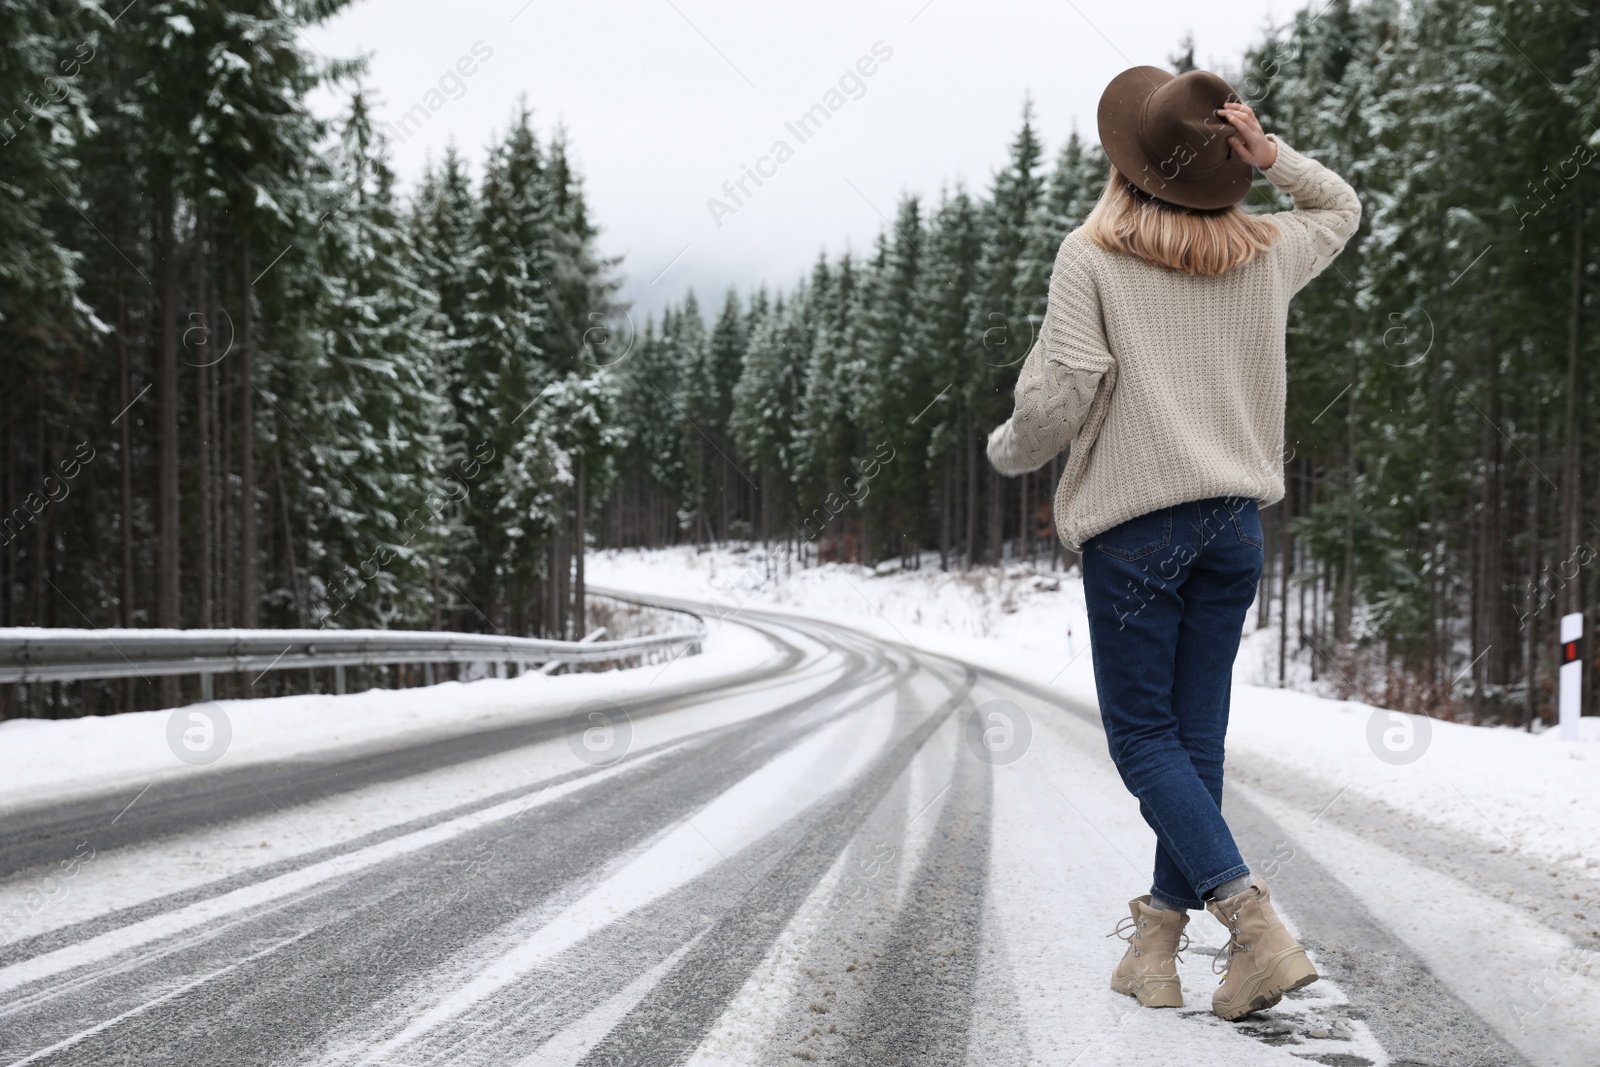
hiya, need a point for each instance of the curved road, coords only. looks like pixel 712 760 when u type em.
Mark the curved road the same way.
pixel 854 852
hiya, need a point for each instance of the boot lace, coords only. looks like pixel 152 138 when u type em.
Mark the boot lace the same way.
pixel 1226 953
pixel 1128 930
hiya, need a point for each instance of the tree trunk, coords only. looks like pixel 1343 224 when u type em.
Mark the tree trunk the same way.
pixel 1488 611
pixel 125 441
pixel 970 448
pixel 293 577
pixel 1285 573
pixel 993 546
pixel 1055 534
pixel 227 516
pixel 563 578
pixel 248 595
pixel 1571 470
pixel 1437 648
pixel 167 571
pixel 207 431
pixel 1530 619
pixel 438 600
pixel 579 524
pixel 944 512
pixel 1024 541
pixel 1347 582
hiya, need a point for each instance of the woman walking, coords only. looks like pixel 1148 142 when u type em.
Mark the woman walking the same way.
pixel 1161 363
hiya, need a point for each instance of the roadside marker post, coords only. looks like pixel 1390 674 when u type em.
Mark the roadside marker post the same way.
pixel 1571 675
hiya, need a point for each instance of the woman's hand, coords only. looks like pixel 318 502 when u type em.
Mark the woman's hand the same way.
pixel 1247 140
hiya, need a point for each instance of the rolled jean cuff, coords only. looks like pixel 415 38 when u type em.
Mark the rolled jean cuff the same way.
pixel 1231 873
pixel 1178 899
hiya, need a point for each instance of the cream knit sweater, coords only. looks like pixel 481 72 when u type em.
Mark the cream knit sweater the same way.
pixel 1169 387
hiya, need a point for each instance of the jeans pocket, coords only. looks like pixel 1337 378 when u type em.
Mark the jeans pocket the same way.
pixel 1247 523
pixel 1139 536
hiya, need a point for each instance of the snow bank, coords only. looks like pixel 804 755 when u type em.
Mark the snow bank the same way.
pixel 45 759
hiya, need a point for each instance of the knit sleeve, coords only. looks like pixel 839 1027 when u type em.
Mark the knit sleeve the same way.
pixel 1062 372
pixel 1325 216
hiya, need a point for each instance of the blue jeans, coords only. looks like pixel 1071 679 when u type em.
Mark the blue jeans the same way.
pixel 1167 594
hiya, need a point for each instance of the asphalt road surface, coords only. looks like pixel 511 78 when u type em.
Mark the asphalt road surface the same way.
pixel 854 852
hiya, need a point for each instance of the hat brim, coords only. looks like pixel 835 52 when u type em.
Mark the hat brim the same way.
pixel 1118 120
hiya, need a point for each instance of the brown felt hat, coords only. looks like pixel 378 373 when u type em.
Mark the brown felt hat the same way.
pixel 1162 131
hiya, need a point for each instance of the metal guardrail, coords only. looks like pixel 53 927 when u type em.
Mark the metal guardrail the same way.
pixel 38 654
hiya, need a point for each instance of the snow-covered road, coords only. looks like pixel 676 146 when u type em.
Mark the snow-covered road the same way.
pixel 813 859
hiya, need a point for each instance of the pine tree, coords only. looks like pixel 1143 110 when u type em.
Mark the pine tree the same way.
pixel 1002 326
pixel 826 428
pixel 697 408
pixel 503 373
pixel 944 307
pixel 654 471
pixel 377 496
pixel 766 402
pixel 729 336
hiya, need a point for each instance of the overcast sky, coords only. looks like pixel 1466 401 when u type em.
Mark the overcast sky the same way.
pixel 664 101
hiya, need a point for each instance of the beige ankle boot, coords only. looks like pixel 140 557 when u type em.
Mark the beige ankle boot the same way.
pixel 1263 961
pixel 1149 969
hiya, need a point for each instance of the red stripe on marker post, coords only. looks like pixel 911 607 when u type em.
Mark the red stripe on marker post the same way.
pixel 1569 683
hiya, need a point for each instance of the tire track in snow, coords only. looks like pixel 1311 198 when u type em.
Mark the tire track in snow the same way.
pixel 670 1024
pixel 40 835
pixel 574 837
pixel 919 994
pixel 508 1017
pixel 711 842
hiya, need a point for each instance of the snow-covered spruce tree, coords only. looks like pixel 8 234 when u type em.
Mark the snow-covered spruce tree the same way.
pixel 261 155
pixel 39 283
pixel 727 484
pixel 539 299
pixel 502 372
pixel 46 325
pixel 377 495
pixel 1001 325
pixel 446 230
pixel 583 308
pixel 826 430
pixel 566 452
pixel 696 407
pixel 654 475
pixel 894 451
pixel 1070 192
pixel 766 402
pixel 943 310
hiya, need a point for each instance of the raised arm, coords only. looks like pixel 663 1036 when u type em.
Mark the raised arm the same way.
pixel 1063 369
pixel 1325 216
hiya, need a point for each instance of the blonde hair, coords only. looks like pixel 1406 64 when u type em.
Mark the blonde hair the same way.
pixel 1127 219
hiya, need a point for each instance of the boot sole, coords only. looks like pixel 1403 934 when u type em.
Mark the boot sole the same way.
pixel 1159 994
pixel 1290 971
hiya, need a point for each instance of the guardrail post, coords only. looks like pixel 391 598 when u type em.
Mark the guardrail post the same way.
pixel 427 674
pixel 206 694
pixel 338 679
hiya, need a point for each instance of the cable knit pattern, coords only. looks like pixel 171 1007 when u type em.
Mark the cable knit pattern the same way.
pixel 1169 387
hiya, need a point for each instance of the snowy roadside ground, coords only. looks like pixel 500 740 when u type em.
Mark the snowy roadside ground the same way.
pixel 1512 791
pixel 43 760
